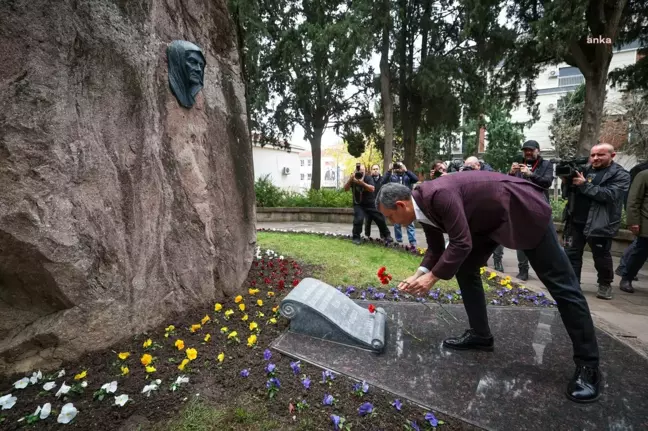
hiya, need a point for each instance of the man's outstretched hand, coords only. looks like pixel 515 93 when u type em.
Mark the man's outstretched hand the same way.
pixel 418 286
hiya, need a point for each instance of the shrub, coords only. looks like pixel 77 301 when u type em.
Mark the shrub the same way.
pixel 268 194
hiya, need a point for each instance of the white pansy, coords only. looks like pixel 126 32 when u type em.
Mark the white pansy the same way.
pixel 45 411
pixel 181 379
pixel 68 412
pixel 61 373
pixel 281 257
pixel 22 383
pixel 64 389
pixel 84 384
pixel 36 376
pixel 49 386
pixel 110 388
pixel 152 387
pixel 121 400
pixel 7 402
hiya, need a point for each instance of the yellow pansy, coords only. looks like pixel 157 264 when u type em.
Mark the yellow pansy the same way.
pixel 123 356
pixel 207 338
pixel 125 371
pixel 179 344
pixel 232 334
pixel 482 270
pixel 224 330
pixel 270 294
pixel 275 308
pixel 492 275
pixel 183 364
pixel 504 282
pixel 192 354
pixel 146 359
pixel 244 318
pixel 260 302
pixel 218 307
pixel 81 375
pixel 238 299
pixel 253 291
pixel 242 307
pixel 228 313
pixel 273 321
pixel 205 319
pixel 252 339
pixel 253 326
pixel 147 343
pixel 195 327
pixel 169 328
pixel 260 314
pixel 221 357
pixel 150 369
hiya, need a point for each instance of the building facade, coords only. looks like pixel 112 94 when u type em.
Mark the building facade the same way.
pixel 281 165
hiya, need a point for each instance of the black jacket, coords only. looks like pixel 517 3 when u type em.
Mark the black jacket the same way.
pixel 541 176
pixel 607 199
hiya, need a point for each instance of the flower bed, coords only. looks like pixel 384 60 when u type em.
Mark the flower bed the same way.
pixel 221 353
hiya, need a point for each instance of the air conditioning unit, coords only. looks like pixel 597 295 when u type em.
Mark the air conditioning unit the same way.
pixel 551 107
pixel 285 170
pixel 553 74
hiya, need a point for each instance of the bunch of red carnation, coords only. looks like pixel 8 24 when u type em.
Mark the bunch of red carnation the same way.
pixel 384 277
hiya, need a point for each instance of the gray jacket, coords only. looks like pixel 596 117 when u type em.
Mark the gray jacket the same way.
pixel 607 199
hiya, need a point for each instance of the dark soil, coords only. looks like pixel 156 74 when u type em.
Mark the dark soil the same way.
pixel 221 384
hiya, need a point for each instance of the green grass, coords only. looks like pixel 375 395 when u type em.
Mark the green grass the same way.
pixel 341 263
pixel 240 416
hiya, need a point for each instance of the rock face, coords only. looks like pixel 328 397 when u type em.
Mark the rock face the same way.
pixel 118 207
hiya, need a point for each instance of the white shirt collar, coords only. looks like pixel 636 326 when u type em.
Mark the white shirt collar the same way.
pixel 420 216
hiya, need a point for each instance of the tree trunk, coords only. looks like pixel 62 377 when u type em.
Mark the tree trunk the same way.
pixel 593 109
pixel 403 75
pixel 240 38
pixel 478 127
pixel 316 150
pixel 385 79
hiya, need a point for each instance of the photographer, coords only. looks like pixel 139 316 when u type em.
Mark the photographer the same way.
pixel 539 171
pixel 364 204
pixel 377 179
pixel 596 195
pixel 473 164
pixel 400 175
pixel 438 169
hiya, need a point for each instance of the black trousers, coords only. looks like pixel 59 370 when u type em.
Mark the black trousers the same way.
pixel 555 271
pixel 360 212
pixel 575 241
pixel 367 226
pixel 623 263
pixel 523 262
pixel 636 258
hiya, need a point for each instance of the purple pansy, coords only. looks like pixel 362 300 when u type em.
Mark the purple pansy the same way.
pixel 295 367
pixel 397 404
pixel 328 400
pixel 270 368
pixel 431 419
pixel 245 373
pixel 273 381
pixel 267 355
pixel 336 422
pixel 306 382
pixel 350 290
pixel 327 375
pixel 414 426
pixel 365 409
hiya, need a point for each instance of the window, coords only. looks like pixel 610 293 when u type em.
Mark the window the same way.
pixel 309 162
pixel 570 76
pixel 310 176
pixel 302 163
pixel 302 175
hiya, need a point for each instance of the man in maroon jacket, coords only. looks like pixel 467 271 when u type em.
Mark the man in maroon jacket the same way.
pixel 479 210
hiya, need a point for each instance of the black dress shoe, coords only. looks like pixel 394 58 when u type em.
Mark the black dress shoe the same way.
pixel 470 341
pixel 626 286
pixel 523 274
pixel 584 386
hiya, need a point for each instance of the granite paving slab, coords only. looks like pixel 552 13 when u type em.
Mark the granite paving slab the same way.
pixel 519 386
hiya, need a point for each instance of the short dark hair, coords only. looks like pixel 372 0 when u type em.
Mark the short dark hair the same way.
pixel 436 163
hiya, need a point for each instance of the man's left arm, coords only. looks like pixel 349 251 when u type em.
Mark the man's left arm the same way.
pixel 412 177
pixel 367 183
pixel 543 178
pixel 612 192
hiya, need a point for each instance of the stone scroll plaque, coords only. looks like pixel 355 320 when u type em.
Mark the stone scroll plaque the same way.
pixel 320 310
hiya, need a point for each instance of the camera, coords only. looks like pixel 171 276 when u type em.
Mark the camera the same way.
pixel 358 175
pixel 455 166
pixel 569 167
pixel 466 168
pixel 397 166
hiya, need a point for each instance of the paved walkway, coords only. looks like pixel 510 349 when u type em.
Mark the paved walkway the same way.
pixel 625 316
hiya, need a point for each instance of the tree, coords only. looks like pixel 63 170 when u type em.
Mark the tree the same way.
pixel 563 31
pixel 564 130
pixel 504 139
pixel 385 84
pixel 316 55
pixel 635 114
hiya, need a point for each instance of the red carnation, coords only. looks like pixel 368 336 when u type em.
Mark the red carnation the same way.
pixel 381 271
pixel 295 282
pixel 372 308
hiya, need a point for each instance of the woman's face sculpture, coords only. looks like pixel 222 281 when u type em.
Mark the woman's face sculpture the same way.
pixel 186 71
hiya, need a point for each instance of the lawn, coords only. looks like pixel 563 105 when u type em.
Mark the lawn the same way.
pixel 339 262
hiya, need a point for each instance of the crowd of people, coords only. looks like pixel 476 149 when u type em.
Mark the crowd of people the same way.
pixel 595 199
pixel 482 211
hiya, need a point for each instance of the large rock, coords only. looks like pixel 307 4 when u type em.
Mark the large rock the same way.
pixel 118 207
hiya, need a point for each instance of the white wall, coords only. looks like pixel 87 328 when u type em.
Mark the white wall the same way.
pixel 272 161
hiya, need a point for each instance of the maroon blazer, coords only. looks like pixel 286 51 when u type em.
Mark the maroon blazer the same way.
pixel 479 210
